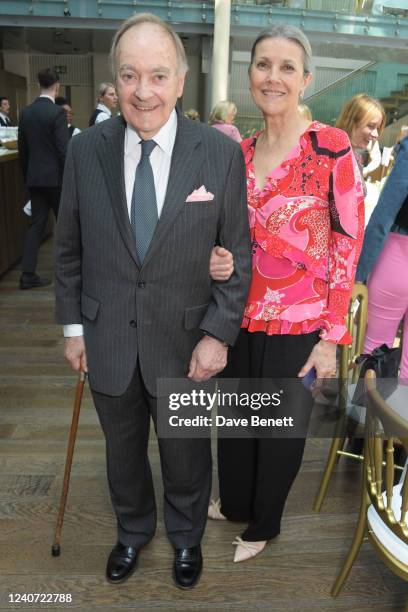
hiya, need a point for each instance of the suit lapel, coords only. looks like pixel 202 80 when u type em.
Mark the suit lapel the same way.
pixel 186 161
pixel 111 156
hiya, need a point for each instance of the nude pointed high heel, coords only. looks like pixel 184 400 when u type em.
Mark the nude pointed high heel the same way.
pixel 247 550
pixel 214 511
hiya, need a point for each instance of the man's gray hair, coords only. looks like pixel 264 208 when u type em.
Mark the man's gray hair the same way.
pixel 290 33
pixel 141 19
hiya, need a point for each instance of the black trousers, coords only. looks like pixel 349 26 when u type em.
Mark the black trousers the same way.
pixel 256 474
pixel 42 200
pixel 185 465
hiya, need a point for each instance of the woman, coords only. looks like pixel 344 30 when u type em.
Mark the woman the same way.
pixel 384 261
pixel 222 118
pixel 107 101
pixel 306 209
pixel 363 118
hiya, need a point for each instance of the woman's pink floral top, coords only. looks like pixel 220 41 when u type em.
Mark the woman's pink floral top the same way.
pixel 307 227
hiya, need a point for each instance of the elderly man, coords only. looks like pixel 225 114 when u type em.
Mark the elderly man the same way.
pixel 146 195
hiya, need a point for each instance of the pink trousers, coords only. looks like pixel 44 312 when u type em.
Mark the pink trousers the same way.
pixel 388 298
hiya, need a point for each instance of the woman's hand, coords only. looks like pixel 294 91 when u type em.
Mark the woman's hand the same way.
pixel 323 359
pixel 221 264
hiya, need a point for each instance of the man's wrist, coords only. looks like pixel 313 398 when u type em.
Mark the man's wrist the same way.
pixel 74 329
pixel 206 333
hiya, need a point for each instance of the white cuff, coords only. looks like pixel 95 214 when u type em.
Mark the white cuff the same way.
pixel 75 329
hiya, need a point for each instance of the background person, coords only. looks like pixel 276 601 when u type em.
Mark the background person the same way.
pixel 192 114
pixel 42 145
pixel 63 102
pixel 107 101
pixel 222 118
pixel 5 120
pixel 305 112
pixel 384 262
pixel 363 118
pixel 146 196
pixel 306 215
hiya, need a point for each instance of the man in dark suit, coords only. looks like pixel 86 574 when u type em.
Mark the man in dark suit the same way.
pixel 145 197
pixel 4 112
pixel 42 144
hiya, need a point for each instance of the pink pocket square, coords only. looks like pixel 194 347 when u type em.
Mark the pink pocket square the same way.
pixel 200 195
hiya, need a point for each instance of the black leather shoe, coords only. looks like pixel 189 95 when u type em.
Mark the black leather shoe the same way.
pixel 121 563
pixel 188 564
pixel 29 281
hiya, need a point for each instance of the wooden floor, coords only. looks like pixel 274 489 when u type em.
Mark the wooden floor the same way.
pixel 294 573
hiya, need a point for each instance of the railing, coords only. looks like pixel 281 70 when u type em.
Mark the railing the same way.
pixel 326 103
pixel 399 8
pixel 374 79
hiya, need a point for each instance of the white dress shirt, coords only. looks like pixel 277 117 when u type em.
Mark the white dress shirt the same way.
pixel 6 119
pixel 160 159
pixel 105 114
pixel 47 96
pixel 76 130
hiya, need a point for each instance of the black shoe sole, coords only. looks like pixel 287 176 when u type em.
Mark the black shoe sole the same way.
pixel 186 588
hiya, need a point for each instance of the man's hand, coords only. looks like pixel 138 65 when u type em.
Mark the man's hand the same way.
pixel 75 354
pixel 209 357
pixel 221 264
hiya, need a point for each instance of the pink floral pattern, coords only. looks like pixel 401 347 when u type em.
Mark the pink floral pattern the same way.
pixel 307 227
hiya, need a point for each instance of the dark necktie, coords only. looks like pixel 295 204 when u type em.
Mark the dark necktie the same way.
pixel 143 212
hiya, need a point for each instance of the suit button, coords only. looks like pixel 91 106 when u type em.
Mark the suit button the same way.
pixel 132 323
pixel 141 285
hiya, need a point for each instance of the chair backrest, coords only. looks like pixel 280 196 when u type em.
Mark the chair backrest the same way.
pixel 384 427
pixel 356 324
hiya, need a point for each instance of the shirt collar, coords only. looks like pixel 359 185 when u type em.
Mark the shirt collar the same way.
pixel 3 116
pixel 164 138
pixel 47 96
pixel 103 108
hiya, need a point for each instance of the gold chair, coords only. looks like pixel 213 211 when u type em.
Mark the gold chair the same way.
pixel 356 324
pixel 384 506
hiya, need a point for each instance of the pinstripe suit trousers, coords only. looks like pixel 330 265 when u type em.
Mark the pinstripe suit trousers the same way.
pixel 185 464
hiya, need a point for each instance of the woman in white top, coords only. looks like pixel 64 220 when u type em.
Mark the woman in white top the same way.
pixel 107 101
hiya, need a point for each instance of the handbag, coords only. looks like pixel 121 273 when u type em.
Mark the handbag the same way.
pixel 385 362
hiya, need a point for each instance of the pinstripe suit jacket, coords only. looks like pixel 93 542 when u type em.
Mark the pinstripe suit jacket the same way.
pixel 156 311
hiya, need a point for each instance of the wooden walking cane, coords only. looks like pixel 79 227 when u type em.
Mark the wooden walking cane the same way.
pixel 56 548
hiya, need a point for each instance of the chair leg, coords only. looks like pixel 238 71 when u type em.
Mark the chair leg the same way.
pixel 354 548
pixel 336 444
pixel 342 441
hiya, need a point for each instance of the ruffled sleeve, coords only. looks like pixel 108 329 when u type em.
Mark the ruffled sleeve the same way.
pixel 346 203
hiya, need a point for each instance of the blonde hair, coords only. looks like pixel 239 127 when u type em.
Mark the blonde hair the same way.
pixel 192 114
pixel 103 88
pixel 140 19
pixel 221 111
pixel 356 110
pixel 305 112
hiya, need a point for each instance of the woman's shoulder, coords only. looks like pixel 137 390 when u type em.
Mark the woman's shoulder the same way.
pixel 329 137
